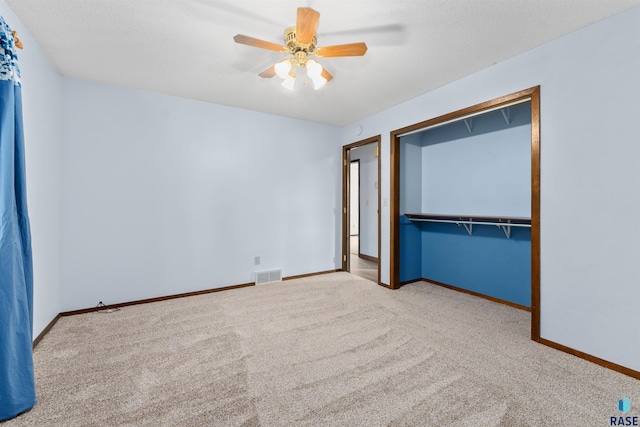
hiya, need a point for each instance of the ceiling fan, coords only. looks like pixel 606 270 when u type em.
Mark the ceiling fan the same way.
pixel 301 42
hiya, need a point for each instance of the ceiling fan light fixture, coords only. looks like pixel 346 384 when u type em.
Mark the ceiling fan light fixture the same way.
pixel 314 69
pixel 318 82
pixel 282 68
pixel 289 82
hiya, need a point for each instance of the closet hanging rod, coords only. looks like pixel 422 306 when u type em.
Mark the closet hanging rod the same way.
pixel 449 221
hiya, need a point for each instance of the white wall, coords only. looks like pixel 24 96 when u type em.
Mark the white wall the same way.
pixel 481 173
pixel 368 198
pixel 589 163
pixel 164 195
pixel 410 175
pixel 41 99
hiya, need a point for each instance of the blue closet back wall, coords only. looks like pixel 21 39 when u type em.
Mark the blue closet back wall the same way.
pixel 485 262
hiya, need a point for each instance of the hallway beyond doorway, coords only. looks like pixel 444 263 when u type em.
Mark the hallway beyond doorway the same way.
pixel 359 266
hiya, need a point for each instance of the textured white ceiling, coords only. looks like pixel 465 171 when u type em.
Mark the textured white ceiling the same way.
pixel 186 48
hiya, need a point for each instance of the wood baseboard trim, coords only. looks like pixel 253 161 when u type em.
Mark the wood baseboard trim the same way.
pixel 45 331
pixel 368 257
pixel 318 273
pixel 411 281
pixel 157 299
pixel 593 359
pixel 475 294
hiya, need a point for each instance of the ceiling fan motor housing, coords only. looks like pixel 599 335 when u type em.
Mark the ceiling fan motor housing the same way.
pixel 292 43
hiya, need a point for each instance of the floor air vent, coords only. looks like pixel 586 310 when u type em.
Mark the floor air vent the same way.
pixel 268 276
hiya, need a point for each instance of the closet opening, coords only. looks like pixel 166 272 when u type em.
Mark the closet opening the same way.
pixel 361 209
pixel 465 202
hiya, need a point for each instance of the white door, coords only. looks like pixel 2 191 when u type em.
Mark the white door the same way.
pixel 354 222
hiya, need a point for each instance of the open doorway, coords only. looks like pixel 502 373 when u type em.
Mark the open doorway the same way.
pixel 361 209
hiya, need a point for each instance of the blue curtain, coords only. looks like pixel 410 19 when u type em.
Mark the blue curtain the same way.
pixel 17 388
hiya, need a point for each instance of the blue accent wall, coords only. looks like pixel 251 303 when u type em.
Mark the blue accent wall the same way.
pixel 485 262
pixel 410 250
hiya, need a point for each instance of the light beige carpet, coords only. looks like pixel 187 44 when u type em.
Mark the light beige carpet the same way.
pixel 332 350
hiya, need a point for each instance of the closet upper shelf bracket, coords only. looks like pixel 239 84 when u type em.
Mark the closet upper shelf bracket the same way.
pixel 506 229
pixel 468 226
pixel 506 114
pixel 469 123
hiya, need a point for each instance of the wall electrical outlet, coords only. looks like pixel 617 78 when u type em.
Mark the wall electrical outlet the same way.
pixel 256 260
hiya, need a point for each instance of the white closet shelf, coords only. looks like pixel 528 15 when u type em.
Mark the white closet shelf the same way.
pixel 504 223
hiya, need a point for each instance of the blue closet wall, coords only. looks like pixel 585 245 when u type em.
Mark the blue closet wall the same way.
pixel 486 262
pixel 410 250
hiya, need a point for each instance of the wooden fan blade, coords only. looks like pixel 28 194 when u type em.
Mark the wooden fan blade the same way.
pixel 269 72
pixel 327 75
pixel 352 49
pixel 242 39
pixel 306 24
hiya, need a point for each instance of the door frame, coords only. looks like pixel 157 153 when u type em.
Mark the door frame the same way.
pixel 351 162
pixel 532 95
pixel 346 193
